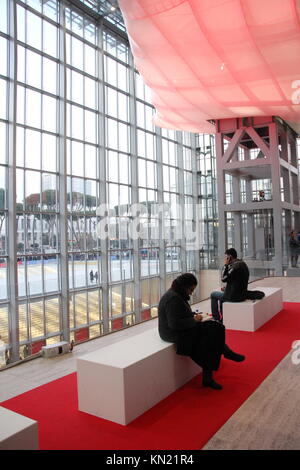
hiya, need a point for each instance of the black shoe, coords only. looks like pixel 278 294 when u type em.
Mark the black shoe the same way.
pixel 232 356
pixel 208 381
pixel 212 384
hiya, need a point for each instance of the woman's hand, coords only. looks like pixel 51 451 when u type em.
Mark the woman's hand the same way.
pixel 198 317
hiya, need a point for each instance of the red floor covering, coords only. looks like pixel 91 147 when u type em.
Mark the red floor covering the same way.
pixel 185 420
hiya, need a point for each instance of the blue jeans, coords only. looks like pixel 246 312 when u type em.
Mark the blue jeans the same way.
pixel 216 299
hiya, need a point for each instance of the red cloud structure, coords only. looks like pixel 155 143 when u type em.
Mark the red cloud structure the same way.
pixel 212 59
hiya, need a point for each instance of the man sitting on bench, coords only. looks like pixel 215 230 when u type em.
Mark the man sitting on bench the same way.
pixel 235 274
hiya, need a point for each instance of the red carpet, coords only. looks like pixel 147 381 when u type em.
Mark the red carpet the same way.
pixel 185 420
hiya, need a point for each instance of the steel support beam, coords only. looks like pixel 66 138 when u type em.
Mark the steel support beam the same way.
pixel 13 315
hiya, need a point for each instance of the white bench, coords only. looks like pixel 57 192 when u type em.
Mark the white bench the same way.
pixel 251 315
pixel 121 381
pixel 17 432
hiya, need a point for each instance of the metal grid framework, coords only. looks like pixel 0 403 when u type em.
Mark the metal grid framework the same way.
pixel 76 133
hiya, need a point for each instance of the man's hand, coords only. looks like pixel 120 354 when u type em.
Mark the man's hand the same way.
pixel 198 317
pixel 227 260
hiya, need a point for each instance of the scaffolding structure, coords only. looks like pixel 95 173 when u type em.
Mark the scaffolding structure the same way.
pixel 258 193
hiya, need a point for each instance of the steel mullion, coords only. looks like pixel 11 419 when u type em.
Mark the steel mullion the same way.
pixel 11 198
pixel 63 221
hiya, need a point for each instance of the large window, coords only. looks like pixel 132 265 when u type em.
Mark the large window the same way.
pixel 91 218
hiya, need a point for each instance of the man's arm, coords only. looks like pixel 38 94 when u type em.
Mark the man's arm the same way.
pixel 229 273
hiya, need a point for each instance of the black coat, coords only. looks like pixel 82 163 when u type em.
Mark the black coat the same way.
pixel 236 276
pixel 202 341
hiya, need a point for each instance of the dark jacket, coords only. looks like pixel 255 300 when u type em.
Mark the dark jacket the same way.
pixel 176 321
pixel 201 341
pixel 236 276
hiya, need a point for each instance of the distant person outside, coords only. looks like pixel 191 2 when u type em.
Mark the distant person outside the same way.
pixel 235 274
pixel 294 247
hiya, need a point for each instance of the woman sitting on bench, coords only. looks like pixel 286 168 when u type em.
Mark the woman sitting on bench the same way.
pixel 202 341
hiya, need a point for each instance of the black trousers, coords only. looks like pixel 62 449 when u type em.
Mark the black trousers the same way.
pixel 206 344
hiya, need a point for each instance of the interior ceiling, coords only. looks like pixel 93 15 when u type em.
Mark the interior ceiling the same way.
pixel 211 59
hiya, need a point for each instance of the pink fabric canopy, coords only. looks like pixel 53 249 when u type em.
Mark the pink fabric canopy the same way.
pixel 213 59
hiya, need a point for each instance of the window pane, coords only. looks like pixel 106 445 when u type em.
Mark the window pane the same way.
pixel 36 4
pixel 112 133
pixel 20 23
pixel 77 53
pixel 52 312
pixel 49 197
pixel 36 319
pixel 77 122
pixel 49 113
pixel 90 126
pixel 32 190
pixel 49 75
pixel 122 77
pixel 111 71
pixel 79 271
pixel 80 309
pixel 3 97
pixel 21 104
pixel 123 138
pixel 111 99
pixel 34 30
pixel 77 87
pixel 34 275
pixel 34 69
pixel 3 269
pixel 3 56
pixel 90 60
pixel 33 149
pixel 94 306
pixel 90 93
pixel 49 152
pixel 50 9
pixel 3 155
pixel 3 16
pixel 113 170
pixel 77 159
pixel 51 273
pixel 50 39
pixel 123 106
pixel 33 108
pixel 90 161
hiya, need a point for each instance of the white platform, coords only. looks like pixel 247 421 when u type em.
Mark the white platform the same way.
pixel 290 272
pixel 251 315
pixel 17 432
pixel 121 381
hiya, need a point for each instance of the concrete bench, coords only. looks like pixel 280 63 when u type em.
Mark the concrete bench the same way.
pixel 121 381
pixel 17 432
pixel 251 315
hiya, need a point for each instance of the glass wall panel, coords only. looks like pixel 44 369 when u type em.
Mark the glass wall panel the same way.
pixel 86 149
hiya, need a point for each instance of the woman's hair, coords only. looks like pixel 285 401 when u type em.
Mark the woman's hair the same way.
pixel 183 282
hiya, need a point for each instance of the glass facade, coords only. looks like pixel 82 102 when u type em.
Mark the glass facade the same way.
pixel 207 193
pixel 93 197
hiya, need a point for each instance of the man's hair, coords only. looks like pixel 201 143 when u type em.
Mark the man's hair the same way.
pixel 232 252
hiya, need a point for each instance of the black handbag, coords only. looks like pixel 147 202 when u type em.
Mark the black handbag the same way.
pixel 255 294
